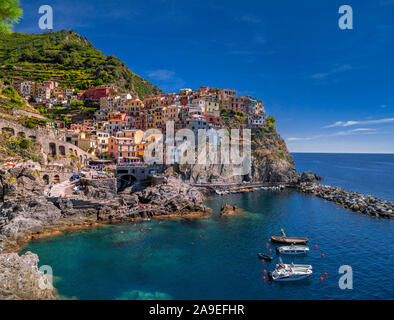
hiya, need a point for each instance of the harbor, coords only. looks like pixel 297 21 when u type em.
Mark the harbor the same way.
pixel 155 258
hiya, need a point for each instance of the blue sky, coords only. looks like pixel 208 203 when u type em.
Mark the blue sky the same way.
pixel 331 90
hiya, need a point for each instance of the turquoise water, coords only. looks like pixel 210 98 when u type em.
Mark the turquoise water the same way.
pixel 216 258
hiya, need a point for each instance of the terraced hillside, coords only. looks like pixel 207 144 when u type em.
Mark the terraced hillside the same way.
pixel 68 58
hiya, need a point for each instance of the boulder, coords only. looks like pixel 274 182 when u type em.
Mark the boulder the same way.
pixel 308 177
pixel 20 278
pixel 228 210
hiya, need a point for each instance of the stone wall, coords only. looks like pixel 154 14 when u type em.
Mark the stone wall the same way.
pixel 52 143
pixel 355 201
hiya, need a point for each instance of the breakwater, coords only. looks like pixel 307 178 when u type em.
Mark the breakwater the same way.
pixel 355 201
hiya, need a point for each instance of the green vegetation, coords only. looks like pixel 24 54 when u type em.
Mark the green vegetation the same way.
pixel 19 147
pixel 66 113
pixel 270 123
pixel 67 58
pixel 14 100
pixel 10 13
pixel 31 122
pixel 228 113
pixel 233 119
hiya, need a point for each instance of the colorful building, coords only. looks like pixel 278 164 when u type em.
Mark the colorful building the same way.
pixel 127 146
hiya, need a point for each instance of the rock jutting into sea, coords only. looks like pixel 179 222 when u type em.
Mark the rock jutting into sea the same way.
pixel 228 210
pixel 20 278
pixel 355 201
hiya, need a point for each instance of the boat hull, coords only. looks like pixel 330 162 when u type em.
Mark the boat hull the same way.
pixel 298 253
pixel 289 240
pixel 293 250
pixel 296 266
pixel 264 256
pixel 291 278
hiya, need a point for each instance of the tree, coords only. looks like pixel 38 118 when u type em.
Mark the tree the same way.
pixel 10 13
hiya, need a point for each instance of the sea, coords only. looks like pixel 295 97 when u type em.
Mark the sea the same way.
pixel 352 255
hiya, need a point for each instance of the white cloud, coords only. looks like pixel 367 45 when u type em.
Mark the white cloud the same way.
pixel 352 123
pixel 166 80
pixel 335 70
pixel 298 139
pixel 335 134
pixel 161 75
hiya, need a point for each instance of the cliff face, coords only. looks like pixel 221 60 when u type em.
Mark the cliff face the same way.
pixel 20 278
pixel 23 211
pixel 24 208
pixel 271 162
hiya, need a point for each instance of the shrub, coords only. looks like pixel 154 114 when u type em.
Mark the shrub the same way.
pixel 13 95
pixel 270 122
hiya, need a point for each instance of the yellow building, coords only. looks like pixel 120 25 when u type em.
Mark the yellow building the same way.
pixel 102 142
pixel 158 117
pixel 87 142
pixel 171 113
pixel 131 107
pixel 212 106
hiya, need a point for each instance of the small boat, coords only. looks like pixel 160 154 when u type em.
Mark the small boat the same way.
pixel 283 273
pixel 292 265
pixel 289 240
pixel 293 249
pixel 218 192
pixel 264 256
pixel 234 192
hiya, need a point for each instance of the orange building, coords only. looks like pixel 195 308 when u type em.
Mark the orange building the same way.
pixel 127 146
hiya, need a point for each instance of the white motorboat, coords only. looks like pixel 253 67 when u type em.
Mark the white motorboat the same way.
pixel 292 266
pixel 293 249
pixel 292 274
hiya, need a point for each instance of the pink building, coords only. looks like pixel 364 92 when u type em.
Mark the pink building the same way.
pixel 127 146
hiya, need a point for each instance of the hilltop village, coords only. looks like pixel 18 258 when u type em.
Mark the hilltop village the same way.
pixel 113 126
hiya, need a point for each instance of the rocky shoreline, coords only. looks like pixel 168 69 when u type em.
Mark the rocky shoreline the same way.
pixel 20 278
pixel 25 214
pixel 355 201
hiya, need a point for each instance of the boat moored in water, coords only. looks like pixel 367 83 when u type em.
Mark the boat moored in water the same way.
pixel 284 273
pixel 289 240
pixel 264 256
pixel 292 265
pixel 293 249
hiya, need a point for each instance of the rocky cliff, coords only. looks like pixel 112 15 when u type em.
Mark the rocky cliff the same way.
pixel 271 162
pixel 20 278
